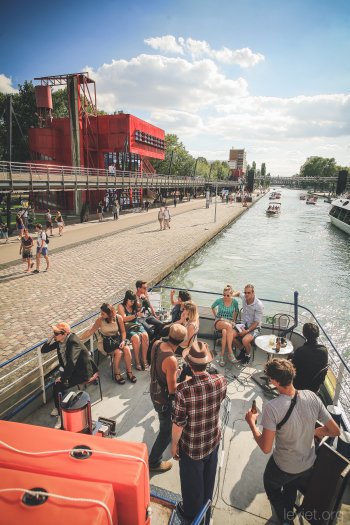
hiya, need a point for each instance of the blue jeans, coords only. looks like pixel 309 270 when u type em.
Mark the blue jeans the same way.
pixel 281 489
pixel 197 478
pixel 163 439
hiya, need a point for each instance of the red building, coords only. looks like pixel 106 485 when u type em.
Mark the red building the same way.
pixel 86 139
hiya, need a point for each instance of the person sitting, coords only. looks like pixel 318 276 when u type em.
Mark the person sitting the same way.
pixel 135 331
pixel 76 364
pixel 149 319
pixel 182 297
pixel 190 320
pixel 225 310
pixel 111 339
pixel 310 360
pixel 245 334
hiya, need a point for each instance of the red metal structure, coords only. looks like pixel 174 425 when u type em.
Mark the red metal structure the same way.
pixel 87 139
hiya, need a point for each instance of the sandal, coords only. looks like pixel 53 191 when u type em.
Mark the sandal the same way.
pixel 145 365
pixel 231 358
pixel 138 367
pixel 222 361
pixel 131 377
pixel 119 379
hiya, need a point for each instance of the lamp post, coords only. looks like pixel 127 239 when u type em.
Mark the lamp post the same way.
pixel 216 194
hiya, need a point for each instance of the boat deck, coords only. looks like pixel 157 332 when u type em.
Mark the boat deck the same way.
pixel 239 495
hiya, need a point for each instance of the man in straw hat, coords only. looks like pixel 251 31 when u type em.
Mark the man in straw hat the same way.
pixel 163 384
pixel 196 431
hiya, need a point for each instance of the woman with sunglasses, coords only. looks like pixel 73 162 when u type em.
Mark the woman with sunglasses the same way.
pixel 225 311
pixel 130 313
pixel 111 339
pixel 190 320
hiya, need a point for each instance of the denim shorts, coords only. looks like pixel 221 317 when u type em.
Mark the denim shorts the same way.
pixel 43 251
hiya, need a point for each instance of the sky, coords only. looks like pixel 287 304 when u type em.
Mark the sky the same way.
pixel 270 76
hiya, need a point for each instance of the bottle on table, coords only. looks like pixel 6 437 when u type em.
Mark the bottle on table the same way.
pixel 254 409
pixel 278 344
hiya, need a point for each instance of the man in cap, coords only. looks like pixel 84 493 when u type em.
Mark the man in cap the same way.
pixel 196 431
pixel 163 377
pixel 76 365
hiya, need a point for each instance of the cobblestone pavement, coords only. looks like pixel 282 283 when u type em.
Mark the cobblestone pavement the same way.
pixel 82 277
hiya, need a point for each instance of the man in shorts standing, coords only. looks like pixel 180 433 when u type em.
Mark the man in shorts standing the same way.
pixel 41 249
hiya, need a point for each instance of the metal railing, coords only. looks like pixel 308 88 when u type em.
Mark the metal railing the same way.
pixel 26 372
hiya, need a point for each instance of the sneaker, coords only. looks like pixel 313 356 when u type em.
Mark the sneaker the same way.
pixel 164 466
pixel 58 424
pixel 54 412
pixel 245 360
pixel 241 355
pixel 36 271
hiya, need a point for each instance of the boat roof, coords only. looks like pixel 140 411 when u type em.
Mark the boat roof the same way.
pixel 342 203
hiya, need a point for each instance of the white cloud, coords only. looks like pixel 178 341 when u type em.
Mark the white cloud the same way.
pixel 6 85
pixel 155 82
pixel 166 44
pixel 201 49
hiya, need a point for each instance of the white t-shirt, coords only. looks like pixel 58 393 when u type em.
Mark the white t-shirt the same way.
pixel 41 236
pixel 252 313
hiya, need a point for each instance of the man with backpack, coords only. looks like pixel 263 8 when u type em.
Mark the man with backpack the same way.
pixel 162 389
pixel 42 249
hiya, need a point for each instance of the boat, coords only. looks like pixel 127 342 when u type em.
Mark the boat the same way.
pixel 273 195
pixel 239 496
pixel 340 214
pixel 274 209
pixel 302 197
pixel 311 200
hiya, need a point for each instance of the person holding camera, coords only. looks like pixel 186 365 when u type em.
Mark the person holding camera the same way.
pixel 76 364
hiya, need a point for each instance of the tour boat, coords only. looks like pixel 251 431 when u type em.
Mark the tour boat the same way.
pixel 274 209
pixel 311 200
pixel 34 455
pixel 340 214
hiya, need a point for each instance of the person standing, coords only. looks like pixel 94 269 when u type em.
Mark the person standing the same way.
pixel 20 225
pixel 196 430
pixel 4 231
pixel 175 200
pixel 59 222
pixel 49 222
pixel 161 218
pixel 167 218
pixel 26 249
pixel 163 382
pixel 289 421
pixel 41 249
pixel 99 211
pixel 74 359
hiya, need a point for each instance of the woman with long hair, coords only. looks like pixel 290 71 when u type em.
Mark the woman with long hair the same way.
pixel 225 310
pixel 60 223
pixel 190 320
pixel 111 339
pixel 27 244
pixel 138 336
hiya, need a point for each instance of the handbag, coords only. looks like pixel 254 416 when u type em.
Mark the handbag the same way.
pixel 111 343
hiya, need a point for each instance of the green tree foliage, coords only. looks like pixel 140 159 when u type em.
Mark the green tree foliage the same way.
pixel 183 164
pixel 319 167
pixel 263 170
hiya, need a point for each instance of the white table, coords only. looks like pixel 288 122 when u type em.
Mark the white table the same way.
pixel 267 343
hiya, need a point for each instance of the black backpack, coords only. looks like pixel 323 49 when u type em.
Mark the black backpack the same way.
pixel 47 238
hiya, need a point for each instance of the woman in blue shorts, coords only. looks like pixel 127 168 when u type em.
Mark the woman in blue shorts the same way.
pixel 225 310
pixel 135 332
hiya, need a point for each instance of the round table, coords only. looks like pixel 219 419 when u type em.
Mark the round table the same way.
pixel 264 343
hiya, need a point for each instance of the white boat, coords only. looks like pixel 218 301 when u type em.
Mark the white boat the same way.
pixel 311 200
pixel 302 197
pixel 274 209
pixel 340 214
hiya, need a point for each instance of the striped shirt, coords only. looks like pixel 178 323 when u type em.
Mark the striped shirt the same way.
pixel 197 410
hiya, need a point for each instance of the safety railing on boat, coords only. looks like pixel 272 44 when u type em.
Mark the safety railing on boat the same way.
pixel 24 376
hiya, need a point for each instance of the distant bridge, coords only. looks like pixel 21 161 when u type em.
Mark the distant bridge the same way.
pixel 298 182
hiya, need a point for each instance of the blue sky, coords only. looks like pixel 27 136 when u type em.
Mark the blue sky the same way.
pixel 268 75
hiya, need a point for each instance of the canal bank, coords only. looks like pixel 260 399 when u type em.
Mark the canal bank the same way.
pixel 101 269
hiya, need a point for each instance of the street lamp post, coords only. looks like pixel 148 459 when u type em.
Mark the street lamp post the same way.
pixel 216 194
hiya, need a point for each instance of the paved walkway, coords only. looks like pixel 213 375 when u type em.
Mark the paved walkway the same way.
pixel 96 262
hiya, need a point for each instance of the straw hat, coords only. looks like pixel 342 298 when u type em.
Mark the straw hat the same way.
pixel 198 354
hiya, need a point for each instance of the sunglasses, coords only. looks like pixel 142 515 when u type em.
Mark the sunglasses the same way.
pixel 58 333
pixel 227 295
pixel 247 293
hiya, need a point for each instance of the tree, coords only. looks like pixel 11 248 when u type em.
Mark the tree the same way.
pixel 263 170
pixel 319 167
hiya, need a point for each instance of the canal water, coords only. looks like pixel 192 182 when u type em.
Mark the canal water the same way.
pixel 296 250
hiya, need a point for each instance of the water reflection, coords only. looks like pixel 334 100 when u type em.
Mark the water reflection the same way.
pixel 297 250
